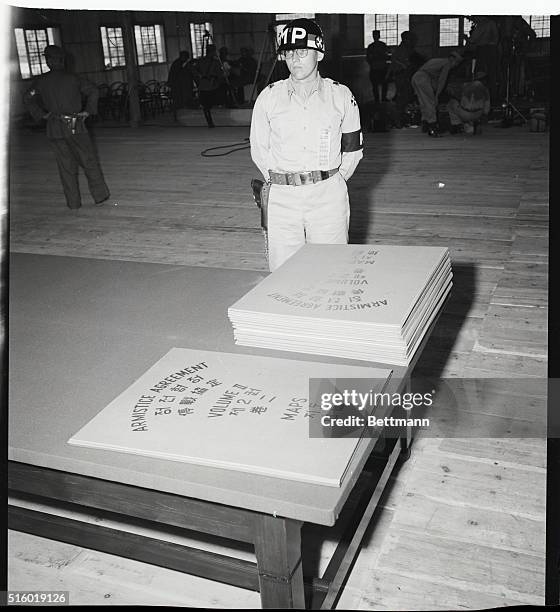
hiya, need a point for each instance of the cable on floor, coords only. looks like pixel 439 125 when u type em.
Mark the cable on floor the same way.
pixel 206 152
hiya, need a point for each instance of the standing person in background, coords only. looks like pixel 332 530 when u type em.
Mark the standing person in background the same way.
pixel 246 67
pixel 521 36
pixel 58 96
pixel 400 71
pixel 377 56
pixel 428 82
pixel 226 95
pixel 209 77
pixel 306 140
pixel 483 42
pixel 181 82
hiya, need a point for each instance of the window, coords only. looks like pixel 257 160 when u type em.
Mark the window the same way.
pixel 282 19
pixel 201 35
pixel 30 44
pixel 449 35
pixel 390 28
pixel 539 23
pixel 113 47
pixel 149 44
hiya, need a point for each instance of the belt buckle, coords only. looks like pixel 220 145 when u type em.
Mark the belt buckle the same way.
pixel 306 178
pixel 295 179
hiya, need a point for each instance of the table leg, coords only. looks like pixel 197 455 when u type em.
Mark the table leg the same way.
pixel 278 552
pixel 406 438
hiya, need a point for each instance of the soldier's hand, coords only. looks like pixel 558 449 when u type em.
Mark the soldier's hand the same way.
pixel 83 114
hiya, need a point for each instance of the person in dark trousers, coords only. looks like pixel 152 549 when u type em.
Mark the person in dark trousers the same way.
pixel 483 43
pixel 245 68
pixel 516 38
pixel 57 97
pixel 401 71
pixel 226 96
pixel 209 79
pixel 181 82
pixel 377 56
pixel 429 82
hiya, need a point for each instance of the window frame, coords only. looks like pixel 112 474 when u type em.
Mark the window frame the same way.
pixel 397 30
pixel 55 39
pixel 462 19
pixel 112 26
pixel 545 17
pixel 163 43
pixel 207 25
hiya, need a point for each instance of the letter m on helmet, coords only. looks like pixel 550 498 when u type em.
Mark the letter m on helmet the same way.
pixel 290 36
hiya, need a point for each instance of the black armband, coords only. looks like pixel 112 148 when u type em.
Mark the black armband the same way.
pixel 352 141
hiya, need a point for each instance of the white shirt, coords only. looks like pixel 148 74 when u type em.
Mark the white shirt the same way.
pixel 290 134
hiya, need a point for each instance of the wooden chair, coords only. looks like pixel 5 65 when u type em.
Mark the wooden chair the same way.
pixel 145 100
pixel 165 100
pixel 151 93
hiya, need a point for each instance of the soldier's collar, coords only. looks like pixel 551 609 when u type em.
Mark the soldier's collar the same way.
pixel 317 86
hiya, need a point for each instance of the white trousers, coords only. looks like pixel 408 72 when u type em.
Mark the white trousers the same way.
pixel 318 213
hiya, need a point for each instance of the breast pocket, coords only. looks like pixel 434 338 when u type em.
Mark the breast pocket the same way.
pixel 283 124
pixel 287 129
pixel 335 121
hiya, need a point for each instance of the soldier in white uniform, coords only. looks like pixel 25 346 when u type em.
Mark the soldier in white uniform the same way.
pixel 306 140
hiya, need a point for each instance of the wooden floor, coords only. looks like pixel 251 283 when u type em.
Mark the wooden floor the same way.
pixel 463 523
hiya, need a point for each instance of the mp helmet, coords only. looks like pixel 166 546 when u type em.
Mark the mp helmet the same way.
pixel 301 34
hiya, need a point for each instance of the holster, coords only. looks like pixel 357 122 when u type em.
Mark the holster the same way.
pixel 70 124
pixel 261 191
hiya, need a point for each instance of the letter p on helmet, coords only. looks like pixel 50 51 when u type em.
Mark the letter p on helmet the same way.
pixel 298 33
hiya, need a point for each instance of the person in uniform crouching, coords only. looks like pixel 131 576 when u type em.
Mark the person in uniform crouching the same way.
pixel 306 140
pixel 57 97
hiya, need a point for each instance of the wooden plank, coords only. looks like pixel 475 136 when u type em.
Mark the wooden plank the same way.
pixel 517 451
pixel 159 507
pixel 498 529
pixel 483 364
pixel 176 535
pixel 501 573
pixel 94 578
pixel 391 590
pixel 157 552
pixel 463 482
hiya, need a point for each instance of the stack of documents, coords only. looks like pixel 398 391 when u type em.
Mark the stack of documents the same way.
pixel 367 302
pixel 260 415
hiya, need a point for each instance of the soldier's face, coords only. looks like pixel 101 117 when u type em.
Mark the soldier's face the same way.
pixel 302 68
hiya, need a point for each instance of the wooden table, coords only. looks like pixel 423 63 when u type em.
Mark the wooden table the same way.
pixel 81 331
